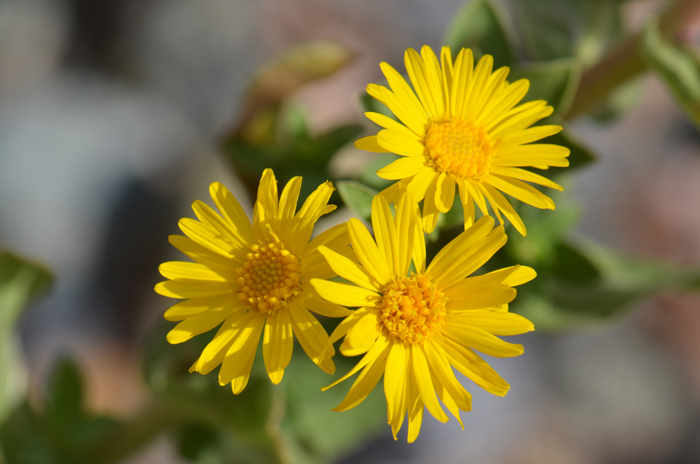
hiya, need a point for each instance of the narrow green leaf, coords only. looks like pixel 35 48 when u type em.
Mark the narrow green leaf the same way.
pixel 677 66
pixel 357 197
pixel 480 25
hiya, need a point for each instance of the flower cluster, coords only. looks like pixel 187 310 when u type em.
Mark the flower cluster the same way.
pixel 413 322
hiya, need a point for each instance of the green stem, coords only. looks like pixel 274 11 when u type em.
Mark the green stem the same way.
pixel 626 62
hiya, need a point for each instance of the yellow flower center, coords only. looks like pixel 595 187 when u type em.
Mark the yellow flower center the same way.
pixel 269 277
pixel 412 309
pixel 460 148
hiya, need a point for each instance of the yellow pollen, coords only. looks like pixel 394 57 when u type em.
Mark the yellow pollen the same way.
pixel 460 148
pixel 269 277
pixel 412 309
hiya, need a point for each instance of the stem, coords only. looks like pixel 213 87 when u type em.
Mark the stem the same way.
pixel 626 62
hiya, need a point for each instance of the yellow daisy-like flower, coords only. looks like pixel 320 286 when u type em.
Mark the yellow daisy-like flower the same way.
pixel 462 128
pixel 414 329
pixel 251 277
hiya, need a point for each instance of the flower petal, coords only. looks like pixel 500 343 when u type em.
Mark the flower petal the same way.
pixel 278 342
pixel 312 337
pixel 421 374
pixel 370 144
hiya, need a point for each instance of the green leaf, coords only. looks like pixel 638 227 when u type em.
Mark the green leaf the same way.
pixel 370 178
pixel 587 285
pixel 620 102
pixel 20 281
pixel 65 400
pixel 318 431
pixel 677 66
pixel 580 29
pixel 357 197
pixel 480 25
pixel 555 82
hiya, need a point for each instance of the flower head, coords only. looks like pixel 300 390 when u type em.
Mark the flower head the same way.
pixel 461 128
pixel 415 328
pixel 253 279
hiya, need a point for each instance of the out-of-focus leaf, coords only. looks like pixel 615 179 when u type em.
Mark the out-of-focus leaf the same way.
pixel 357 197
pixel 318 431
pixel 620 102
pixel 242 424
pixel 580 29
pixel 589 285
pixel 288 73
pixel 62 431
pixel 20 281
pixel 555 82
pixel 480 25
pixel 370 178
pixel 677 66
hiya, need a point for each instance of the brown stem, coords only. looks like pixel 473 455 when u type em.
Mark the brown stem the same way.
pixel 626 62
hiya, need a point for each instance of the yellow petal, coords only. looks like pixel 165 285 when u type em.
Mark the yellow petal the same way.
pixel 379 347
pixel 529 135
pixel 175 289
pixel 441 367
pixel 395 375
pixel 193 272
pixel 416 72
pixel 196 325
pixel 385 233
pixel 399 143
pixel 265 209
pixel 459 245
pixel 521 275
pixel 361 337
pixel 388 123
pixel 202 255
pixel 406 222
pixel 239 357
pixel 278 342
pixel 499 203
pixel 489 298
pixel 430 210
pixel 215 350
pixel 527 176
pixel 313 208
pixel 433 74
pixel 403 167
pixel 370 144
pixel 481 341
pixel 367 252
pixel 189 308
pixel 231 210
pixel 208 238
pixel 344 294
pixel 312 337
pixel 347 323
pixel 496 323
pixel 316 304
pixel 365 382
pixel 445 192
pixel 521 191
pixel 289 198
pixel 410 105
pixel 346 269
pixel 472 366
pixel 421 374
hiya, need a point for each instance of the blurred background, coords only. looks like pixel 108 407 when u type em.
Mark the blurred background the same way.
pixel 115 116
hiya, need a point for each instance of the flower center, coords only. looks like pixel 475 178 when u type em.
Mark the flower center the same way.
pixel 460 148
pixel 269 277
pixel 412 309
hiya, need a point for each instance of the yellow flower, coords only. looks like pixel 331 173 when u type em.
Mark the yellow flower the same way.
pixel 462 129
pixel 253 276
pixel 414 329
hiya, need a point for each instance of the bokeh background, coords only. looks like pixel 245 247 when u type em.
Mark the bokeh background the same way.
pixel 112 114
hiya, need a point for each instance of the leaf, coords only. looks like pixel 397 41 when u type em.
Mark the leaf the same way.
pixel 555 82
pixel 320 432
pixel 580 29
pixel 677 66
pixel 370 178
pixel 65 400
pixel 20 281
pixel 357 197
pixel 279 79
pixel 589 285
pixel 480 25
